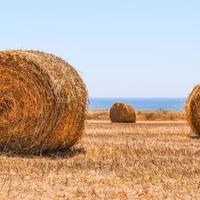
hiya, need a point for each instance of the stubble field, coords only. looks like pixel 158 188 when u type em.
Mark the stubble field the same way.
pixel 147 160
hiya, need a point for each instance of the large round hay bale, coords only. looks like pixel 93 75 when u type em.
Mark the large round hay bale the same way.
pixel 42 102
pixel 122 113
pixel 192 110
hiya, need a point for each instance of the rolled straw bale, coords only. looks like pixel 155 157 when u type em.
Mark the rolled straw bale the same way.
pixel 42 102
pixel 122 113
pixel 192 110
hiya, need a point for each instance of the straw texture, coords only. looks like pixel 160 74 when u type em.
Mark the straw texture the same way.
pixel 122 113
pixel 192 110
pixel 42 102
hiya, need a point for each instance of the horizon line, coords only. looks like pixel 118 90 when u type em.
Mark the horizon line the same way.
pixel 137 97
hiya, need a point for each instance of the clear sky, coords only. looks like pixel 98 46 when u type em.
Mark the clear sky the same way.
pixel 121 48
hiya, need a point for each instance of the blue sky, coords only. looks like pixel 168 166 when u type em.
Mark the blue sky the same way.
pixel 121 48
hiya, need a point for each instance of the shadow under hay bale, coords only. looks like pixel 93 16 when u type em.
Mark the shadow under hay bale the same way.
pixel 59 154
pixel 192 110
pixel 122 113
pixel 42 102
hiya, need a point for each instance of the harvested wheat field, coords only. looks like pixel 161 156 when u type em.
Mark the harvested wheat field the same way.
pixel 146 160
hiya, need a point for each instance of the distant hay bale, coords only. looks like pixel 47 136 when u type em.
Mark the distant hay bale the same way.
pixel 42 102
pixel 122 113
pixel 192 110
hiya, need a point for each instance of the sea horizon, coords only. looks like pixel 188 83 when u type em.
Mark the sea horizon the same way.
pixel 139 103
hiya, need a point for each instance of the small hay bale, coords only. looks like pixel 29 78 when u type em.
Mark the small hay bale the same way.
pixel 192 110
pixel 42 102
pixel 122 113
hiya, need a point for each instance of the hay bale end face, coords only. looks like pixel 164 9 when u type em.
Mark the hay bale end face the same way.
pixel 192 110
pixel 42 102
pixel 122 113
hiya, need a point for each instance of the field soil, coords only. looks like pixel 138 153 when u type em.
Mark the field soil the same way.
pixel 146 160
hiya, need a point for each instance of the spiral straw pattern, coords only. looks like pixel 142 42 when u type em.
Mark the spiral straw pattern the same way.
pixel 122 113
pixel 42 102
pixel 192 110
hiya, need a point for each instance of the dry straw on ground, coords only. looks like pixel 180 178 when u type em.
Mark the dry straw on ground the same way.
pixel 42 102
pixel 122 113
pixel 192 110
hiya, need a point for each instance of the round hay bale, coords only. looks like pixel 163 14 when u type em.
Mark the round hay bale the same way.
pixel 192 110
pixel 122 113
pixel 42 102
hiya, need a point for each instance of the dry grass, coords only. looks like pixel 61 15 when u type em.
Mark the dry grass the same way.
pixel 147 160
pixel 161 115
